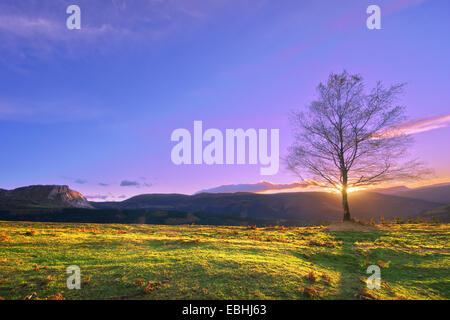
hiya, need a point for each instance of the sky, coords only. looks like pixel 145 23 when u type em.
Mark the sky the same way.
pixel 95 108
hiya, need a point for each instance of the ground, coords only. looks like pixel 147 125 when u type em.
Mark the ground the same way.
pixel 213 262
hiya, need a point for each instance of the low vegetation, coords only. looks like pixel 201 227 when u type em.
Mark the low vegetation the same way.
pixel 213 262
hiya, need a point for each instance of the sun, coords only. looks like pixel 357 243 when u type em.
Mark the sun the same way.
pixel 349 190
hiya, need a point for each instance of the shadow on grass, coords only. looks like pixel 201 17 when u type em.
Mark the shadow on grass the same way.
pixel 348 262
pixel 412 274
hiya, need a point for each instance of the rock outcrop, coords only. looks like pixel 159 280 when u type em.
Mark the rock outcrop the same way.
pixel 42 196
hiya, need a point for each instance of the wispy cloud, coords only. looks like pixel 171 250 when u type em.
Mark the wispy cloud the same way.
pixel 75 180
pixel 133 183
pixel 25 35
pixel 262 186
pixel 40 27
pixel 129 183
pixel 417 126
pixel 21 25
pixel 425 124
pixel 48 111
pixel 106 197
pixel 97 197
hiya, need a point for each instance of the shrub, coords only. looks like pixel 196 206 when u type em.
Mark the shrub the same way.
pixel 311 291
pixel 326 279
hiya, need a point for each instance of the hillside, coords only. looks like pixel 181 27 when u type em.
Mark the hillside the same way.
pixel 439 193
pixel 139 216
pixel 301 206
pixel 46 203
pixel 441 213
pixel 200 262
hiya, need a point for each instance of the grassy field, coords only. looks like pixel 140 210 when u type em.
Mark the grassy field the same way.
pixel 207 262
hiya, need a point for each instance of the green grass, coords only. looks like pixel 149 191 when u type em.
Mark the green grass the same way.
pixel 208 262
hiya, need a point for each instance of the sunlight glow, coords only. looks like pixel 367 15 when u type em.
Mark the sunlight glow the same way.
pixel 349 190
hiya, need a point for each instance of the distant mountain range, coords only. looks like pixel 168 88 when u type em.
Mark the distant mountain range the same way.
pixel 391 190
pixel 436 193
pixel 305 207
pixel 256 187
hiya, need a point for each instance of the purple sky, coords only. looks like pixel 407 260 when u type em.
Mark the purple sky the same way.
pixel 95 108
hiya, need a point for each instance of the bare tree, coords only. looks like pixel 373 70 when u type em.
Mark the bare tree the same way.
pixel 348 138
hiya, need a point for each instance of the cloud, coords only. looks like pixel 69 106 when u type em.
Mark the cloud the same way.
pixel 21 25
pixel 417 126
pixel 97 197
pixel 262 186
pixel 24 36
pixel 128 183
pixel 145 184
pixel 75 180
pixel 39 29
pixel 103 184
pixel 105 197
pixel 48 111
pixel 424 124
pixel 137 184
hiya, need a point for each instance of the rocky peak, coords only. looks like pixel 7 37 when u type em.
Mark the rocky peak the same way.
pixel 43 195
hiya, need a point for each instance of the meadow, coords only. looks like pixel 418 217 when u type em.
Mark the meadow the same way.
pixel 214 262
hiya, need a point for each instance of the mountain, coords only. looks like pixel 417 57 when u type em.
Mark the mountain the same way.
pixel 256 187
pixel 391 190
pixel 300 206
pixel 435 193
pixel 42 196
pixel 304 207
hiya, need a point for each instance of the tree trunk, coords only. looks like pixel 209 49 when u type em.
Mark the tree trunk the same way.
pixel 345 204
